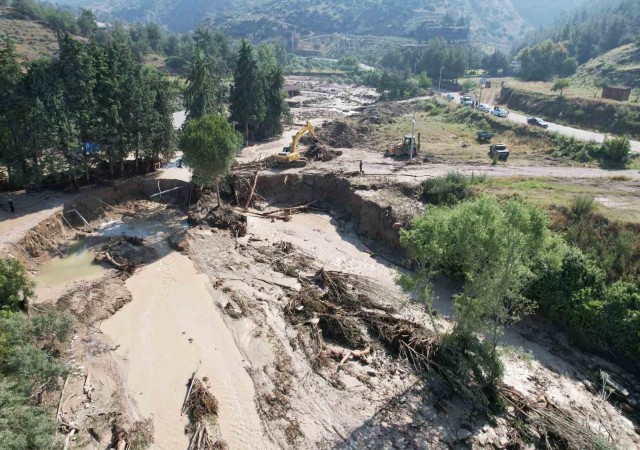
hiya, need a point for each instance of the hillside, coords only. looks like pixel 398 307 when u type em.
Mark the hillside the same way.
pixel 31 38
pixel 491 22
pixel 620 66
pixel 542 13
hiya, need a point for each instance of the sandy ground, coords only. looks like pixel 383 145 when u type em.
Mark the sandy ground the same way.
pixel 270 396
pixel 172 327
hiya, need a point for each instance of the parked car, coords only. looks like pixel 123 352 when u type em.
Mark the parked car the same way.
pixel 538 122
pixel 499 151
pixel 485 136
pixel 466 100
pixel 483 107
pixel 450 97
pixel 499 112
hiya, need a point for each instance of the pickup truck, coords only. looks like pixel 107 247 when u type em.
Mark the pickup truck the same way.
pixel 500 151
pixel 499 112
pixel 485 136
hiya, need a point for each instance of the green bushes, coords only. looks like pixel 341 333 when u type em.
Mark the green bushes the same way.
pixel 450 189
pixel 599 317
pixel 15 285
pixel 29 367
pixel 616 150
pixel 491 247
pixel 510 262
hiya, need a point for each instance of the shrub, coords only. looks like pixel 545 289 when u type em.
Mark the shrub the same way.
pixel 616 150
pixel 450 189
pixel 582 206
pixel 15 285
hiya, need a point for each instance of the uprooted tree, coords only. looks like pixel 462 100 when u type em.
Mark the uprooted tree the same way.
pixel 210 145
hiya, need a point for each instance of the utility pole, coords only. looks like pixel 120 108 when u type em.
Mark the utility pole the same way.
pixel 440 80
pixel 481 86
pixel 413 141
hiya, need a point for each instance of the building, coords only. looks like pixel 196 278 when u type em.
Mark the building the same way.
pixel 619 93
pixel 292 91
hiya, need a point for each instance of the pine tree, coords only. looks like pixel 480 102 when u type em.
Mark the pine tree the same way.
pixel 203 94
pixel 247 97
pixel 275 105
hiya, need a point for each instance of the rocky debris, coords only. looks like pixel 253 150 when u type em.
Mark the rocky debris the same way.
pixel 206 211
pixel 126 252
pixel 180 241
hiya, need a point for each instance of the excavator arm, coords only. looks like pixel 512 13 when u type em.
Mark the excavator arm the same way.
pixel 308 128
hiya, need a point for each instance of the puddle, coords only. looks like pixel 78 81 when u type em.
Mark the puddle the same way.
pixel 56 275
pixel 144 227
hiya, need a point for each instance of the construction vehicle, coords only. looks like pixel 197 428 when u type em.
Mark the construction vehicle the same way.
pixel 289 156
pixel 408 147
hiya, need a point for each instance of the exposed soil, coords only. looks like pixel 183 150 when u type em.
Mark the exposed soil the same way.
pixel 286 317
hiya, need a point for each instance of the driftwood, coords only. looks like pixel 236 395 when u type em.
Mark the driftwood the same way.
pixel 253 190
pixel 186 399
pixel 87 388
pixel 67 438
pixel 59 412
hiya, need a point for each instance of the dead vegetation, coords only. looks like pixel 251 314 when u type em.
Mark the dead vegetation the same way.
pixel 126 253
pixel 207 212
pixel 334 308
pixel 202 409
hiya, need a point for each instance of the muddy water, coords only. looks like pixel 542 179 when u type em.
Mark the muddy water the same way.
pixel 172 327
pixel 56 275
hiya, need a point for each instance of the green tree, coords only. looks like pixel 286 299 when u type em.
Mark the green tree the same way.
pixel 87 23
pixel 424 81
pixel 492 248
pixel 203 94
pixel 560 85
pixel 275 104
pixel 469 86
pixel 16 287
pixel 210 145
pixel 247 94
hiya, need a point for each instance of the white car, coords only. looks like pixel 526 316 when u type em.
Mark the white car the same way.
pixel 483 107
pixel 499 112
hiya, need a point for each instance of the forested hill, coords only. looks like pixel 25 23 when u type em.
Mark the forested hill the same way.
pixel 595 28
pixel 588 32
pixel 493 22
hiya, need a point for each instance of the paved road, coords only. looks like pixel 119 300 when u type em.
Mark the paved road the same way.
pixel 582 135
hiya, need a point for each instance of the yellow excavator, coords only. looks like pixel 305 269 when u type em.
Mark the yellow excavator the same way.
pixel 289 156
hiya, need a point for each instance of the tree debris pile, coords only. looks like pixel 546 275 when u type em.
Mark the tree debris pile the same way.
pixel 253 166
pixel 126 253
pixel 335 309
pixel 207 211
pixel 548 424
pixel 285 257
pixel 137 435
pixel 319 152
pixel 202 409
